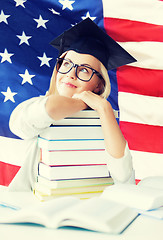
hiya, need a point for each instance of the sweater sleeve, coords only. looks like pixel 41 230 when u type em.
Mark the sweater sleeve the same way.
pixel 121 169
pixel 29 118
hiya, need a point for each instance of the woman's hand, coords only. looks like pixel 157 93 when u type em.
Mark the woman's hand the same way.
pixel 114 140
pixel 92 100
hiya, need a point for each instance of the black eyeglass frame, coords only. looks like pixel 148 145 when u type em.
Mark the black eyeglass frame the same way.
pixel 76 66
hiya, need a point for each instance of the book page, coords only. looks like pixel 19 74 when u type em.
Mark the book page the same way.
pixel 144 198
pixel 95 214
pixel 42 214
pixel 152 182
pixel 99 215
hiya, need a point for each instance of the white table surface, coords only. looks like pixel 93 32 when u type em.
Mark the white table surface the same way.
pixel 143 228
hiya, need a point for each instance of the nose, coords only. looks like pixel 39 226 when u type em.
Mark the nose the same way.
pixel 72 73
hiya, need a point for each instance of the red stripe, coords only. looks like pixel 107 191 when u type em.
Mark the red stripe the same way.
pixel 123 30
pixel 140 81
pixel 142 137
pixel 8 172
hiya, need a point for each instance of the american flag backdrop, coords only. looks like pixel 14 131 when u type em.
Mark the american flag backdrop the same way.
pixel 27 61
pixel 138 26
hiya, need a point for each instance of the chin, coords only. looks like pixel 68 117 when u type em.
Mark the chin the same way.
pixel 66 93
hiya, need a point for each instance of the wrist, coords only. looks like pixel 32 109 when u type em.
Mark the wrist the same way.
pixel 103 107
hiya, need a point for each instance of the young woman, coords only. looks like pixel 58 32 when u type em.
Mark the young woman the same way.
pixel 80 80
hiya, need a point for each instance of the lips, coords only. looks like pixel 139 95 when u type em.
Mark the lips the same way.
pixel 70 85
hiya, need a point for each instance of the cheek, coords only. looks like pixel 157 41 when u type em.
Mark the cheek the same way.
pixel 89 86
pixel 58 79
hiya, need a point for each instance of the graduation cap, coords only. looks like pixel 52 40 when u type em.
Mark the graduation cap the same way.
pixel 86 37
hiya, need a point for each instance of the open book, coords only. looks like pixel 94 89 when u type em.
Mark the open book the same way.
pixel 143 196
pixel 95 214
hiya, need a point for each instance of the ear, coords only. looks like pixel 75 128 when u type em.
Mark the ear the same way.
pixel 98 87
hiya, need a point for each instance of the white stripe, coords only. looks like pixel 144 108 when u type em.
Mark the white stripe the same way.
pixel 12 150
pixel 141 109
pixel 149 11
pixel 147 164
pixel 148 54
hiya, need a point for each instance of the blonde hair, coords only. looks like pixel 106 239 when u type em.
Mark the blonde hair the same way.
pixel 107 86
pixel 52 88
pixel 103 71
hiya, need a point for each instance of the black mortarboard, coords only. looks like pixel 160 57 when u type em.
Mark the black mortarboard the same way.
pixel 86 37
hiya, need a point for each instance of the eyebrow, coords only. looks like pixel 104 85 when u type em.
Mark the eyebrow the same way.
pixel 83 64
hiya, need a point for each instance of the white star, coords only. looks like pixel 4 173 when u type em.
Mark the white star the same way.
pixel 41 22
pixel 27 77
pixel 20 3
pixel 23 38
pixel 3 17
pixel 9 95
pixel 66 4
pixel 44 60
pixel 88 16
pixel 54 12
pixel 6 56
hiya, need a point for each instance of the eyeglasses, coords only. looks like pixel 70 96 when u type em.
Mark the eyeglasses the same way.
pixel 82 72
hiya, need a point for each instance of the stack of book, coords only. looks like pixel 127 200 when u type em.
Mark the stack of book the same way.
pixel 72 158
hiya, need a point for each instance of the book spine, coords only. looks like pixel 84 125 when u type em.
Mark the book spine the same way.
pixel 70 190
pixel 43 197
pixel 78 121
pixel 73 172
pixel 71 144
pixel 72 132
pixel 74 183
pixel 73 157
